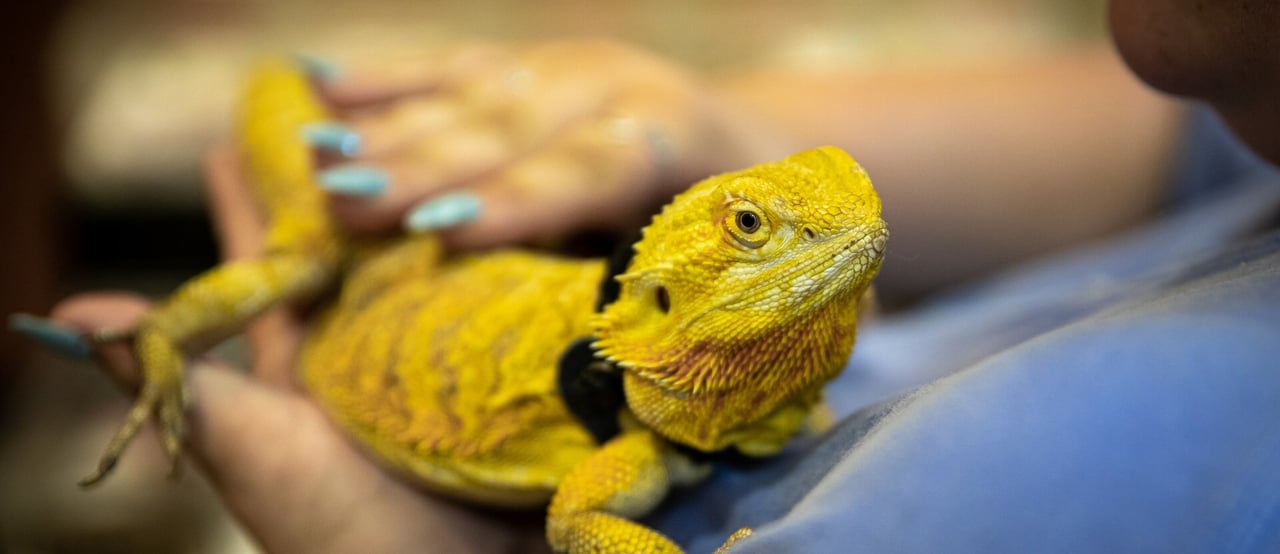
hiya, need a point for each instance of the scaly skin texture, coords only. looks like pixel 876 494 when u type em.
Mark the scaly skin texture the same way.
pixel 740 304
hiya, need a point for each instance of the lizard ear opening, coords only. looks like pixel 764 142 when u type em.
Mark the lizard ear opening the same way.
pixel 662 298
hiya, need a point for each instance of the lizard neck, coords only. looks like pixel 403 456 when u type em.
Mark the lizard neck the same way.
pixel 756 391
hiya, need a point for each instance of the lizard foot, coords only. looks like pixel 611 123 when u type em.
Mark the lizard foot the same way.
pixel 733 539
pixel 163 395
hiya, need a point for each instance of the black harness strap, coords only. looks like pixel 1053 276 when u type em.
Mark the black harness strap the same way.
pixel 591 389
pixel 591 386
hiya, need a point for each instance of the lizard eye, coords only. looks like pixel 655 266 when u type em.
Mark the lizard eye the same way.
pixel 747 224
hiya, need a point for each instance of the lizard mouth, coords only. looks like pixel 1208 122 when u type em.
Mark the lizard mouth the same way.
pixel 832 269
pixel 841 265
pixel 864 251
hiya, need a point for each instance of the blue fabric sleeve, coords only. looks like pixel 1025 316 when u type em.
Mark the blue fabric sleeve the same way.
pixel 1151 427
pixel 1209 159
pixel 1124 397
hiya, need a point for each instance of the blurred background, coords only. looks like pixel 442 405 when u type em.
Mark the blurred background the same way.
pixel 109 104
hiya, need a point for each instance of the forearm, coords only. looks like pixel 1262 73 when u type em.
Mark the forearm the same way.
pixel 983 166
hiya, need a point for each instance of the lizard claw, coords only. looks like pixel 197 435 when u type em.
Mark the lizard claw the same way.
pixel 142 408
pixel 173 428
pixel 166 403
pixel 72 342
pixel 105 465
pixel 162 397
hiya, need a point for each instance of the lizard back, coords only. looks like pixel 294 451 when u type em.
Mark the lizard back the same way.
pixel 445 369
pixel 451 376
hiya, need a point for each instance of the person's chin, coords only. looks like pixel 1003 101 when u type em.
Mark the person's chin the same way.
pixel 1222 58
pixel 1257 123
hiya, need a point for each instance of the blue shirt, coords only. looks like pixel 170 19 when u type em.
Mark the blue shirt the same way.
pixel 1124 397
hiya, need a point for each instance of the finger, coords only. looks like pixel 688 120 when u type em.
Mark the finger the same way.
pixel 273 458
pixel 376 135
pixel 291 479
pixel 514 97
pixel 427 146
pixel 237 218
pixel 395 76
pixel 106 311
pixel 590 176
pixel 450 160
pixel 274 340
pixel 275 336
pixel 97 311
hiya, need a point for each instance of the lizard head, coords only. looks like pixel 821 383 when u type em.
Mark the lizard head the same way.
pixel 742 295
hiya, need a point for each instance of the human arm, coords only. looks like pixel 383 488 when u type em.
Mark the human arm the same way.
pixel 982 166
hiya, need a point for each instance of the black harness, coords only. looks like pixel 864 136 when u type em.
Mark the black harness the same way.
pixel 591 386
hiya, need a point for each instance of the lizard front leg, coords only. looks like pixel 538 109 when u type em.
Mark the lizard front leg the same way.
pixel 216 301
pixel 625 479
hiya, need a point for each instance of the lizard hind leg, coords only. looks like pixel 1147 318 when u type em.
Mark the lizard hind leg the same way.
pixel 303 254
pixel 210 305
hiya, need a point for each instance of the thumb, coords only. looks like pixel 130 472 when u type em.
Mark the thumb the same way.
pixel 111 312
pixel 283 470
pixel 244 435
pixel 226 407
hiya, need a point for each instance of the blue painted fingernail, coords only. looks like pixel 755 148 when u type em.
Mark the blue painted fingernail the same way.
pixel 59 338
pixel 443 212
pixel 318 68
pixel 354 180
pixel 333 137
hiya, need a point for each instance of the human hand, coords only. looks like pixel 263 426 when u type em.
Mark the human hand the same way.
pixel 291 478
pixel 496 145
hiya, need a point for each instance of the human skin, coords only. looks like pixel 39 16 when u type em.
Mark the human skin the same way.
pixel 1023 156
pixel 287 474
pixel 260 440
pixel 1225 53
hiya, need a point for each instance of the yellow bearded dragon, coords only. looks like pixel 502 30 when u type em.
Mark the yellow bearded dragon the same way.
pixel 739 304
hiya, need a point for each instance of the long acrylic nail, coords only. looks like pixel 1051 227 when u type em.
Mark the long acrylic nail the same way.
pixel 443 212
pixel 319 69
pixel 59 338
pixel 333 137
pixel 354 180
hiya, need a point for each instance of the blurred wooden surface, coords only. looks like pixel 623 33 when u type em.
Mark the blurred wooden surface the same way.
pixel 30 190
